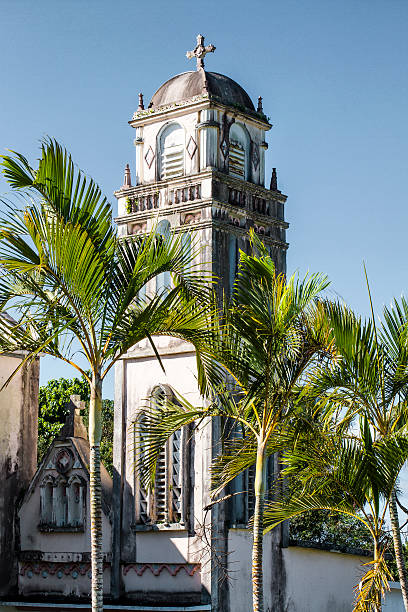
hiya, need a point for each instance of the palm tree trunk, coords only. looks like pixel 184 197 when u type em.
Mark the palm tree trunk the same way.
pixel 377 596
pixel 399 556
pixel 257 547
pixel 95 431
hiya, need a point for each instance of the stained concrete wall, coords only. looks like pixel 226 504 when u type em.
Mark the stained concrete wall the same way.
pixel 311 580
pixel 18 454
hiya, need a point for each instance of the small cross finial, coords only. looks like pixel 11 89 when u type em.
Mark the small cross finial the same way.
pixel 200 51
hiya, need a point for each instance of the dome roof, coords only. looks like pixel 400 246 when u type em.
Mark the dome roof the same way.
pixel 189 84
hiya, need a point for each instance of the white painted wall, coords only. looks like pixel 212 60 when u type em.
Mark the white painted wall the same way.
pixel 317 580
pixel 321 581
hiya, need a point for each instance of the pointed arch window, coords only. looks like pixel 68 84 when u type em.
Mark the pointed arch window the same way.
pixel 238 151
pixel 60 502
pixel 166 504
pixel 46 500
pixel 172 151
pixel 76 501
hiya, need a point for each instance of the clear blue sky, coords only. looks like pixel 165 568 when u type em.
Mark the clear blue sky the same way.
pixel 334 80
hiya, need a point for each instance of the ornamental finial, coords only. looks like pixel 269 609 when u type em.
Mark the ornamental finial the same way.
pixel 274 180
pixel 127 181
pixel 200 51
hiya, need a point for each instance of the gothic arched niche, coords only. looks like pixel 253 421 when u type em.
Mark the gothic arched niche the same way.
pixel 238 151
pixel 172 148
pixel 46 500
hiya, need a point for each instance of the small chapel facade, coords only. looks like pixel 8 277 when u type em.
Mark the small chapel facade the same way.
pixel 199 169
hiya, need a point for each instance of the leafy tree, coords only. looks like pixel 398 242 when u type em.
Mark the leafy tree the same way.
pixel 272 332
pixel 329 529
pixel 347 474
pixel 52 408
pixel 53 400
pixel 68 279
pixel 370 378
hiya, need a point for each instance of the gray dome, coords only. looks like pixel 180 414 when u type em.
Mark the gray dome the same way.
pixel 189 84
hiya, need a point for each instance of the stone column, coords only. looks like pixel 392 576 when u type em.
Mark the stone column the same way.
pixel 138 142
pixel 208 130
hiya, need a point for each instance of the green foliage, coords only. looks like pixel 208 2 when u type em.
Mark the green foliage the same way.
pixel 52 409
pixel 330 530
pixel 128 205
pixel 52 413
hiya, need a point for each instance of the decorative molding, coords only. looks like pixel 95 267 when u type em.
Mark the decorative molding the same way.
pixel 255 155
pixel 157 568
pixel 137 228
pixel 191 218
pixel 64 460
pixel 191 147
pixel 60 570
pixel 149 157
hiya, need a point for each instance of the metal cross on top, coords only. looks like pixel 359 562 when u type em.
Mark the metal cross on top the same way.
pixel 200 51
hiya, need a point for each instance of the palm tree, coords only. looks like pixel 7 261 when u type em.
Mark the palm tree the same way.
pixel 77 292
pixel 370 377
pixel 271 333
pixel 330 469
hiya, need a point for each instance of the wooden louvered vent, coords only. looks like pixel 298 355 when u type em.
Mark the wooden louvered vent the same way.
pixel 165 503
pixel 160 490
pixel 175 478
pixel 237 160
pixel 173 161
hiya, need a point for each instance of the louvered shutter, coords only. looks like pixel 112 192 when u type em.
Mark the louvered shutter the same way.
pixel 172 152
pixel 175 477
pixel 237 160
pixel 142 507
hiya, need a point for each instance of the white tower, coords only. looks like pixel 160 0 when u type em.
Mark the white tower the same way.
pixel 200 165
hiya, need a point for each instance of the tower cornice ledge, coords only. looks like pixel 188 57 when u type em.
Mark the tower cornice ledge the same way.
pixel 185 180
pixel 176 109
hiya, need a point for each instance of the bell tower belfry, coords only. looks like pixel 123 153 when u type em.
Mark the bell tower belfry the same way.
pixel 199 166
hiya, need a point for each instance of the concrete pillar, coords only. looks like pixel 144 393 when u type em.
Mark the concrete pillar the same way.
pixel 18 455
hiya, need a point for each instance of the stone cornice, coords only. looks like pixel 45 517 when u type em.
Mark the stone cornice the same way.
pixel 175 348
pixel 176 183
pixel 257 190
pixel 241 232
pixel 186 207
pixel 187 179
pixel 175 109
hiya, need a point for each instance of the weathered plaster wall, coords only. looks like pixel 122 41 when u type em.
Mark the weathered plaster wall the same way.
pixel 18 454
pixel 318 581
pixel 314 580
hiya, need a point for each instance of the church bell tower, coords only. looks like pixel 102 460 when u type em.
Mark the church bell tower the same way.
pixel 199 166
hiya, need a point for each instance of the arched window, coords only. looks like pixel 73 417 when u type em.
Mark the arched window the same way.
pixel 172 147
pixel 166 503
pixel 76 501
pixel 238 151
pixel 163 280
pixel 46 503
pixel 60 505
